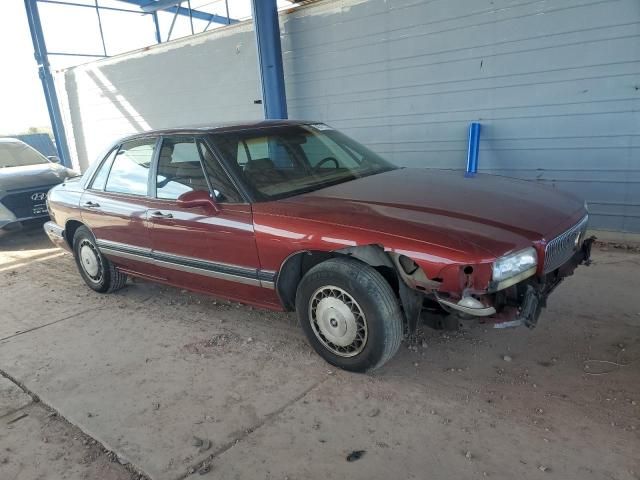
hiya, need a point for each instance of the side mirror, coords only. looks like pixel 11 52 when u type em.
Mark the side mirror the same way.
pixel 54 159
pixel 196 198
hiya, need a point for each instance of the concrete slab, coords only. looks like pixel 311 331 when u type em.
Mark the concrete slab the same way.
pixel 405 431
pixel 12 398
pixel 24 266
pixel 145 380
pixel 39 446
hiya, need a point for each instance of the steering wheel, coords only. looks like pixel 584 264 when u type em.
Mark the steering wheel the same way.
pixel 325 160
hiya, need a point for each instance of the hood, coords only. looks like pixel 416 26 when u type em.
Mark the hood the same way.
pixel 441 207
pixel 18 178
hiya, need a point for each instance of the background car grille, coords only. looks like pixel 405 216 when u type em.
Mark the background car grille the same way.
pixel 20 203
pixel 562 248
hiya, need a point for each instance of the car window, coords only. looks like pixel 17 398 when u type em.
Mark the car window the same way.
pixel 263 149
pixel 179 169
pixel 321 153
pixel 100 178
pixel 14 153
pixel 130 170
pixel 223 188
pixel 282 161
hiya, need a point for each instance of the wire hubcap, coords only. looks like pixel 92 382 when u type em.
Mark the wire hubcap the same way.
pixel 338 321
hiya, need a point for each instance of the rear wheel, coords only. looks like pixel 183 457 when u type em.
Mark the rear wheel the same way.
pixel 349 314
pixel 96 270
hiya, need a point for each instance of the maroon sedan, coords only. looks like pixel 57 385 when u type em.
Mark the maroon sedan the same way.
pixel 295 215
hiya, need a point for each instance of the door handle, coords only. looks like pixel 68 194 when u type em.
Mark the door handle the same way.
pixel 159 214
pixel 91 204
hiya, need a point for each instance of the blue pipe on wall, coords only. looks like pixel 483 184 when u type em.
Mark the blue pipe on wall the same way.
pixel 474 148
pixel 265 21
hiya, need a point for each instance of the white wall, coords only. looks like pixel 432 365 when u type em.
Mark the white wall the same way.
pixel 206 79
pixel 555 84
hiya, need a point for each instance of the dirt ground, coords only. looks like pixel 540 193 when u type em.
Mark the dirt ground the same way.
pixel 162 383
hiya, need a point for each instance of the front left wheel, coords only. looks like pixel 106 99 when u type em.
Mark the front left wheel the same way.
pixel 350 314
pixel 96 270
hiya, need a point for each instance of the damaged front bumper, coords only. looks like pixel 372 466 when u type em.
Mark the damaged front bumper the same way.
pixel 521 303
pixel 56 234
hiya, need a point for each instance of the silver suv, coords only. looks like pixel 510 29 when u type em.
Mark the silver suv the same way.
pixel 25 179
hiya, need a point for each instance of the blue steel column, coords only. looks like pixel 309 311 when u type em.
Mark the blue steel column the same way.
pixel 157 25
pixel 265 21
pixel 44 71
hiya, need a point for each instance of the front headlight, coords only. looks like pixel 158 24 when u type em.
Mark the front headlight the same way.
pixel 5 214
pixel 520 264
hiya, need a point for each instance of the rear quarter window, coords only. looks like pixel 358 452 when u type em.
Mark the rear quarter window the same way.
pixel 100 178
pixel 130 170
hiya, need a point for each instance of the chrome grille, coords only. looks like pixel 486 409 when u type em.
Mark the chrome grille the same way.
pixel 562 248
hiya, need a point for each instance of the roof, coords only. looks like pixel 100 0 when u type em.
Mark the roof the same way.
pixel 225 127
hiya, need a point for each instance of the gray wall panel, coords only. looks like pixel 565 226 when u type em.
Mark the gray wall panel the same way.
pixel 556 86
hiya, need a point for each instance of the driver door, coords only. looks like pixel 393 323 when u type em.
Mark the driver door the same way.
pixel 207 248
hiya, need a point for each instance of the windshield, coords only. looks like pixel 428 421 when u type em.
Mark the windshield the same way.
pixel 278 162
pixel 18 154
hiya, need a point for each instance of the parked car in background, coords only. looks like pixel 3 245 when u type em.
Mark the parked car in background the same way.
pixel 25 179
pixel 295 215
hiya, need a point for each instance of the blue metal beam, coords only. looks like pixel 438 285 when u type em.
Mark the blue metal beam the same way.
pixel 185 12
pixel 154 6
pixel 104 46
pixel 157 25
pixel 69 54
pixel 48 86
pixel 265 21
pixel 86 5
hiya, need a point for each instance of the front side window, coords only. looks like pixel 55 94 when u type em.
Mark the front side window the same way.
pixel 179 169
pixel 130 171
pixel 278 162
pixel 223 189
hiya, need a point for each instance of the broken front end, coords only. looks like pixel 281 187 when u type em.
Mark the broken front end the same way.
pixel 513 289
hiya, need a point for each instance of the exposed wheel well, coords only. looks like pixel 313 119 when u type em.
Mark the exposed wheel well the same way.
pixel 70 230
pixel 298 264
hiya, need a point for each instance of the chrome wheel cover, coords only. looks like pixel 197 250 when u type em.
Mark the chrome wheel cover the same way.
pixel 338 321
pixel 90 261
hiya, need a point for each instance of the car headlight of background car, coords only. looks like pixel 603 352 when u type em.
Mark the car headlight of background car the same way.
pixel 5 214
pixel 512 268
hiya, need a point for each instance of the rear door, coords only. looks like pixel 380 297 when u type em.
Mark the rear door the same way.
pixel 115 205
pixel 203 248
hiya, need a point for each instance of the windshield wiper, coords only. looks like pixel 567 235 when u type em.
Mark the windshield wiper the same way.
pixel 315 186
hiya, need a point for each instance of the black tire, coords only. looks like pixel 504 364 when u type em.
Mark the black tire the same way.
pixel 362 289
pixel 107 278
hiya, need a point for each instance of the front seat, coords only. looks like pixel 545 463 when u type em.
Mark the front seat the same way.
pixel 190 174
pixel 262 172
